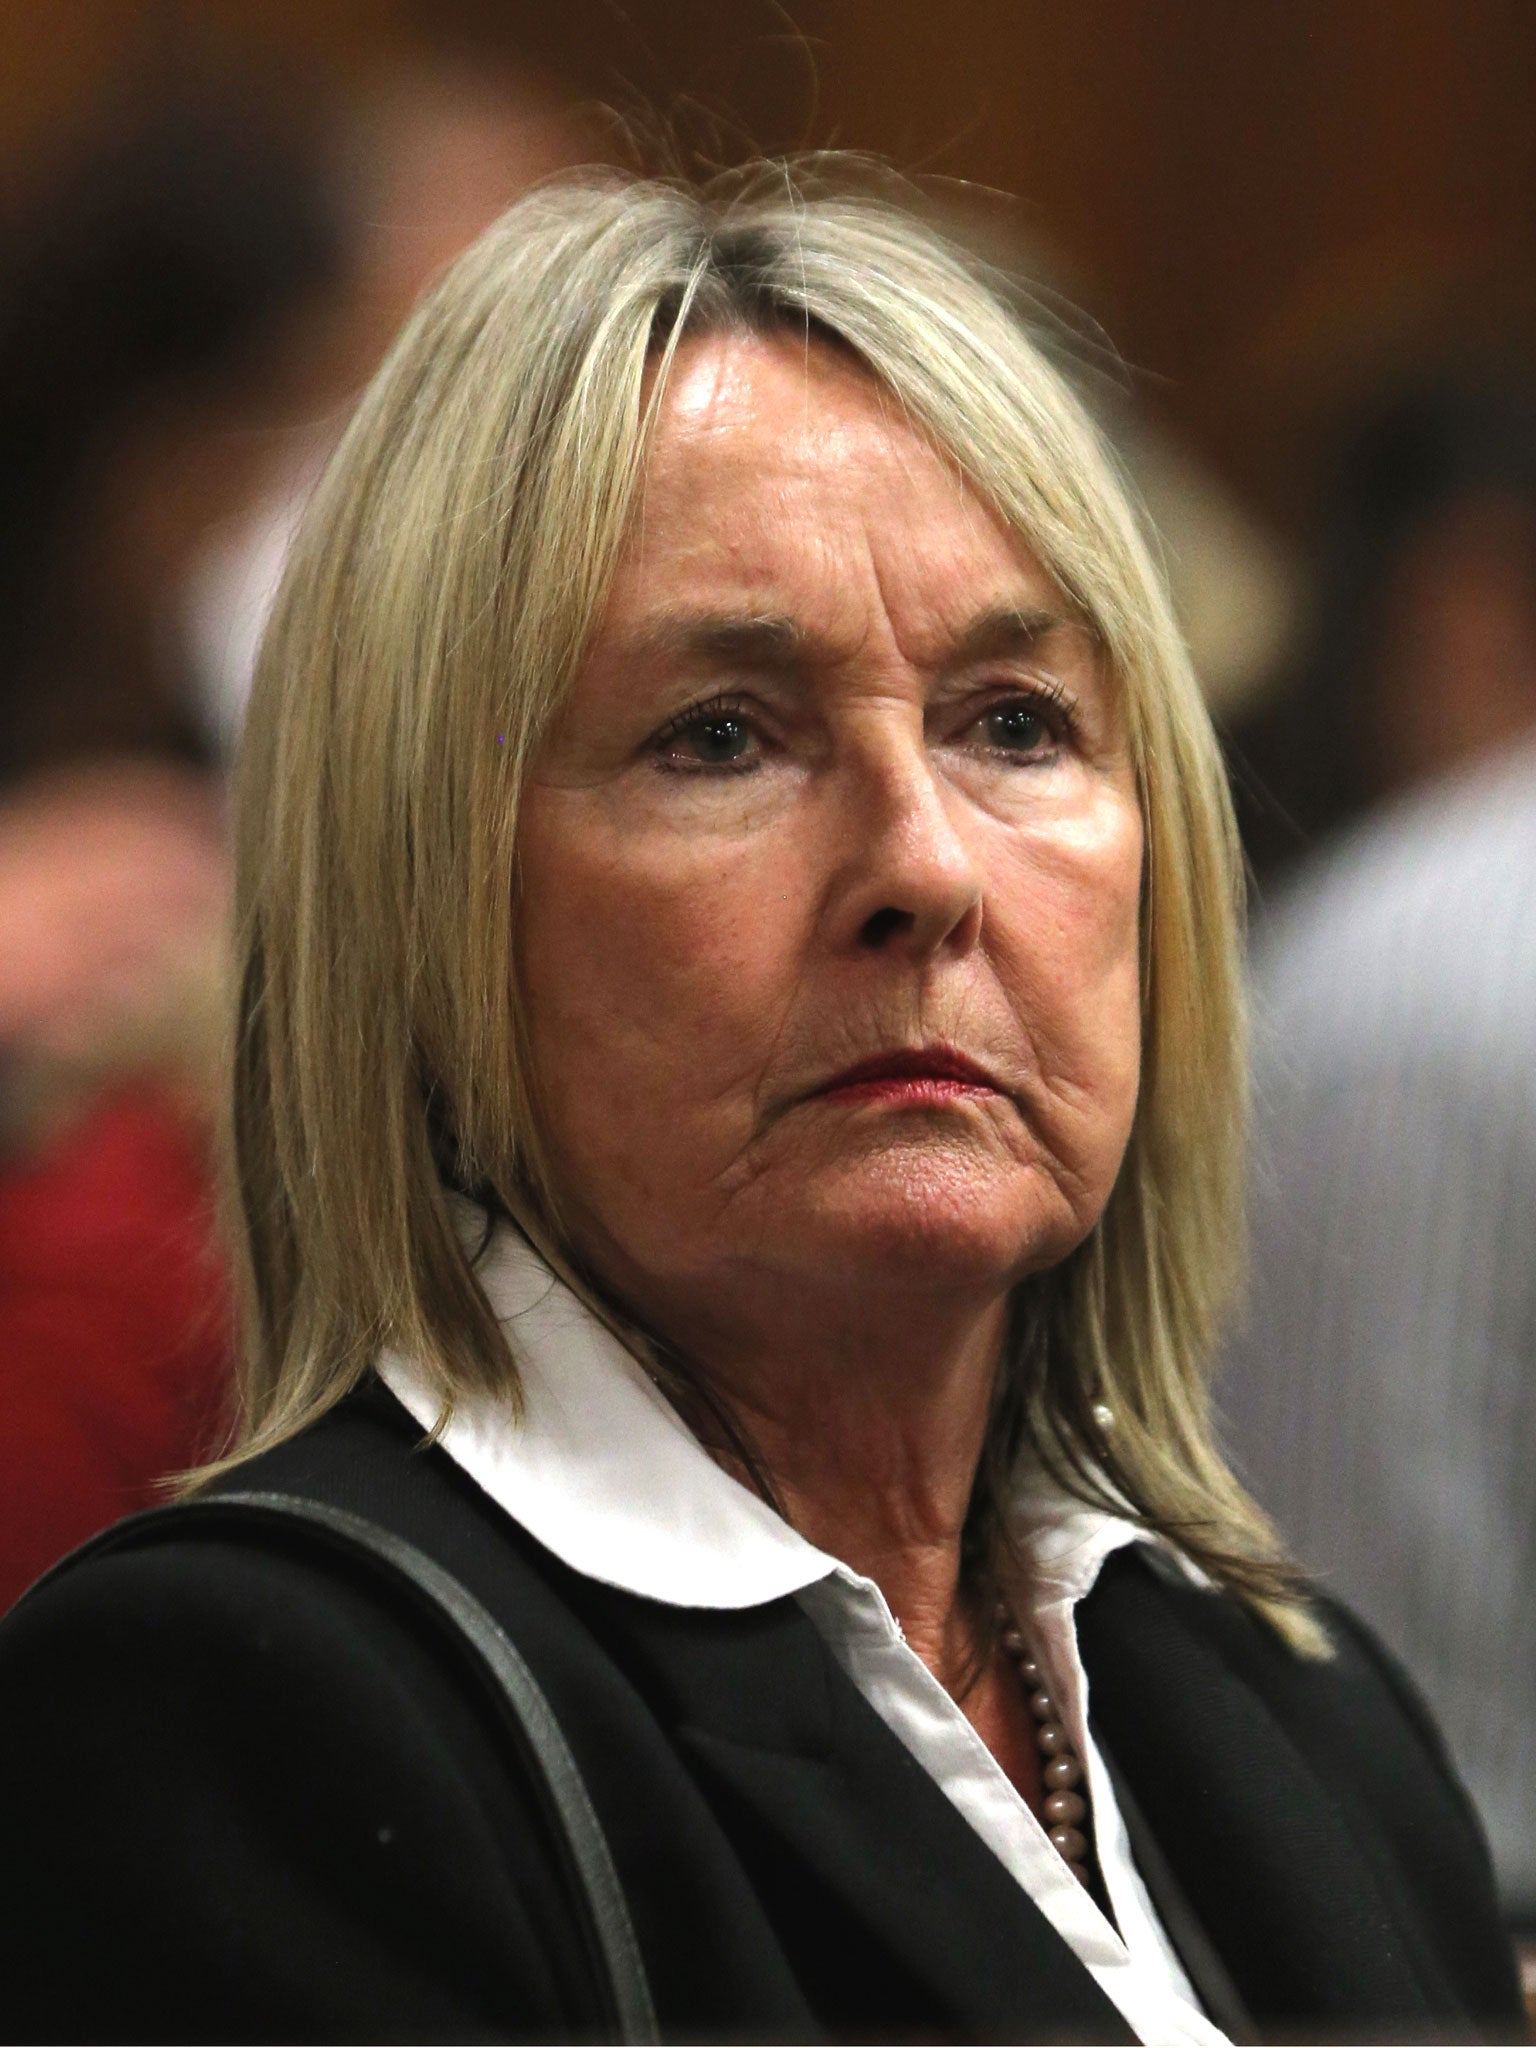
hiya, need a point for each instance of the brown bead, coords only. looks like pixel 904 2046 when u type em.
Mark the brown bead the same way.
pixel 1042 1706
pixel 1069 1842
pixel 1079 1871
pixel 1013 1642
pixel 1062 1772
pixel 1064 1809
pixel 1029 1671
pixel 1051 1738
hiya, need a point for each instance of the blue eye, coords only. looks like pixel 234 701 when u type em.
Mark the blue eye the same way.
pixel 1026 729
pixel 709 736
pixel 1017 729
pixel 717 740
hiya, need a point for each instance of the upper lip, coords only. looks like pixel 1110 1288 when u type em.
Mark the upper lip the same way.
pixel 918 1063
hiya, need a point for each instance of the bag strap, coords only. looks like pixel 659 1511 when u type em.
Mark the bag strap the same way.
pixel 1207 1972
pixel 487 1652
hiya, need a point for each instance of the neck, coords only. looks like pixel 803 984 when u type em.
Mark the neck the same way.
pixel 872 1429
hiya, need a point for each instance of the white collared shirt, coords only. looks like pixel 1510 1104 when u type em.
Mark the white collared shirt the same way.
pixel 602 1471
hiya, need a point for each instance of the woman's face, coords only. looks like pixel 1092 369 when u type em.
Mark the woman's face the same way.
pixel 830 874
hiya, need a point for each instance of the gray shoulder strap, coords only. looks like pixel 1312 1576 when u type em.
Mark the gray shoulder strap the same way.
pixel 489 1654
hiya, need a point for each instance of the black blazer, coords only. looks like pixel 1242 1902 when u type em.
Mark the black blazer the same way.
pixel 243 1799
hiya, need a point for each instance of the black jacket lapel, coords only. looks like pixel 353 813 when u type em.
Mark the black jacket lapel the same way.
pixel 848 1805
pixel 1332 1864
pixel 896 1920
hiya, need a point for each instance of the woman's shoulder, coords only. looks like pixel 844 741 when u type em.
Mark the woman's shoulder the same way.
pixel 263 1788
pixel 1352 1712
pixel 247 1586
pixel 1325 1779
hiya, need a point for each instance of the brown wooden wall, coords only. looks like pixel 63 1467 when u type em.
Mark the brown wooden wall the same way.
pixel 1251 195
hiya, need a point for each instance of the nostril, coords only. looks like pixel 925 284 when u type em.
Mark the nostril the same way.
pixel 884 925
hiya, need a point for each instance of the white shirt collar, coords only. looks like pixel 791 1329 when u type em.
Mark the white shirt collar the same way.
pixel 603 1472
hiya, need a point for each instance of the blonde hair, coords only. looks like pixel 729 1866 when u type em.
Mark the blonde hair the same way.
pixel 436 604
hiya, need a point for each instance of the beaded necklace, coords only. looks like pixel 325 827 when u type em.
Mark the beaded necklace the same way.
pixel 1066 1803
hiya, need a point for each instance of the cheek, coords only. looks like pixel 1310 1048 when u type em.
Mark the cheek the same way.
pixel 1068 951
pixel 654 973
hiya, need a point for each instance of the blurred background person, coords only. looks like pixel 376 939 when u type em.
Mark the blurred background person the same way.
pixel 146 308
pixel 426 155
pixel 186 306
pixel 1382 1397
pixel 1421 648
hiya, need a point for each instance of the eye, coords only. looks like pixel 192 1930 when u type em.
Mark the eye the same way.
pixel 718 736
pixel 1024 728
pixel 1018 728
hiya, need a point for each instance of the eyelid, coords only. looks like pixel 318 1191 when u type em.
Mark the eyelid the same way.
pixel 1055 693
pixel 1044 693
pixel 721 705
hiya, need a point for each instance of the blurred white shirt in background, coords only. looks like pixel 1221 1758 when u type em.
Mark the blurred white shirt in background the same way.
pixel 1382 1400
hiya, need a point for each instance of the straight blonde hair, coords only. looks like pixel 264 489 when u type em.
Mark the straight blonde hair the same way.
pixel 437 602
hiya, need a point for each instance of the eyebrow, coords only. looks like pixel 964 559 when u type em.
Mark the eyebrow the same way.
pixel 1008 629
pixel 776 643
pixel 770 641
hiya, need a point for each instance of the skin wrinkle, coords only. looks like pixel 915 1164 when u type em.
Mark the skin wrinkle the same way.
pixel 699 959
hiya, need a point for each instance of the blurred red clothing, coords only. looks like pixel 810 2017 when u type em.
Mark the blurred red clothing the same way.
pixel 114 1325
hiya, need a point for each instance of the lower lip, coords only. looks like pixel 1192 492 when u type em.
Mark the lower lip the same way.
pixel 911 1091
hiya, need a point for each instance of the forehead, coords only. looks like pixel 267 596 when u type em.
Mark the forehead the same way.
pixel 782 478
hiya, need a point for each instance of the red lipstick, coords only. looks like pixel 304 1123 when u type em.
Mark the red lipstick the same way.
pixel 929 1074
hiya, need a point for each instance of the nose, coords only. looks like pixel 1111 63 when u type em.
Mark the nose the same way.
pixel 908 882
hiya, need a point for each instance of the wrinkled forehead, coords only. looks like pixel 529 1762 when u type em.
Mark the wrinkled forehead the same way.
pixel 788 502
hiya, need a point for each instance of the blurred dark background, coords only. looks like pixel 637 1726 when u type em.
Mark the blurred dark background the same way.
pixel 1280 216
pixel 1257 202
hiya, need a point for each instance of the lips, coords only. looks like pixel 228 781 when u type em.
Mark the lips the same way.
pixel 924 1073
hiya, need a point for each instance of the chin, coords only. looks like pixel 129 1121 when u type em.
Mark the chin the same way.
pixel 922 1226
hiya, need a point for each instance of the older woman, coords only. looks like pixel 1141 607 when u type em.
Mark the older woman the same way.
pixel 736 1127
